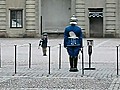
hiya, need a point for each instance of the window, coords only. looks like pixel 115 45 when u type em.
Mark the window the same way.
pixel 16 18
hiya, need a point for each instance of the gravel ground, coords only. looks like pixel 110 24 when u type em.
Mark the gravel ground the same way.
pixel 56 83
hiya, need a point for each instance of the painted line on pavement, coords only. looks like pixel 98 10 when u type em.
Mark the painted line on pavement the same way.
pixel 102 43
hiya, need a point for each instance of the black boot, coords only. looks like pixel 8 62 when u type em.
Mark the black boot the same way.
pixel 75 64
pixel 71 63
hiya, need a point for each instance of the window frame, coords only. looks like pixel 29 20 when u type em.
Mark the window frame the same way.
pixel 21 17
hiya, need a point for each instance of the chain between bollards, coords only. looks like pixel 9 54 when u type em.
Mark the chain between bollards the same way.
pixel 15 58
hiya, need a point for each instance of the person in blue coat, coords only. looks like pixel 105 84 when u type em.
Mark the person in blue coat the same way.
pixel 73 42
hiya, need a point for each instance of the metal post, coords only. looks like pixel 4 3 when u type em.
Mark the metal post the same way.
pixel 82 61
pixel 89 61
pixel 29 55
pixel 49 59
pixel 59 56
pixel 15 58
pixel 89 53
pixel 117 61
pixel 0 55
pixel 41 25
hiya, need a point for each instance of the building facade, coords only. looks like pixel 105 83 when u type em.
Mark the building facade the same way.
pixel 29 18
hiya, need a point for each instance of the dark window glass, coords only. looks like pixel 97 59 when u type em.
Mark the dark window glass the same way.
pixel 16 19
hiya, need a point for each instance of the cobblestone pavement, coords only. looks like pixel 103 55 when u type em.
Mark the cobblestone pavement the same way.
pixel 41 77
pixel 56 83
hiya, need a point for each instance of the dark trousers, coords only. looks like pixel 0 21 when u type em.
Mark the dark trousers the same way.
pixel 73 63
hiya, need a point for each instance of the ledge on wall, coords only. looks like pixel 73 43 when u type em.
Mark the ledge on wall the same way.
pixel 3 34
pixel 110 34
pixel 29 34
pixel 55 34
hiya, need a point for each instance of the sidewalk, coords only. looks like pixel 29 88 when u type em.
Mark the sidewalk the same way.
pixel 38 78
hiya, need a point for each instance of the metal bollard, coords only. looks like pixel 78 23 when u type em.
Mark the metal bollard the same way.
pixel 15 58
pixel 59 56
pixel 29 55
pixel 117 60
pixel 0 55
pixel 90 52
pixel 82 61
pixel 49 59
pixel 90 45
pixel 41 25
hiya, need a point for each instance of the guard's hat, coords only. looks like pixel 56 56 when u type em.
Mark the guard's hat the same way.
pixel 73 20
pixel 44 33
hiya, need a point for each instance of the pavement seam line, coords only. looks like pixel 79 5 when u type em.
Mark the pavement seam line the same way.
pixel 113 84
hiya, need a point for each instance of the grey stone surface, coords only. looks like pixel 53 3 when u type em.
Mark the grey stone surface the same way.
pixel 57 83
pixel 37 77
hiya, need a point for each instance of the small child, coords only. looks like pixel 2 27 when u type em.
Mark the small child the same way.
pixel 43 43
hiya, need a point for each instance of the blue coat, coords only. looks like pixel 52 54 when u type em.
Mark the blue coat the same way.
pixel 73 50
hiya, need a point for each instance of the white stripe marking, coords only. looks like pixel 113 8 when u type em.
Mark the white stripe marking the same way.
pixel 101 43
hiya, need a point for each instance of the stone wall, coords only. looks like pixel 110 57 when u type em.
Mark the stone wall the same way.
pixel 80 13
pixel 110 18
pixel 3 18
pixel 30 24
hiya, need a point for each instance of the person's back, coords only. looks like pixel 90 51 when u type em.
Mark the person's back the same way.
pixel 73 42
pixel 73 28
pixel 72 31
